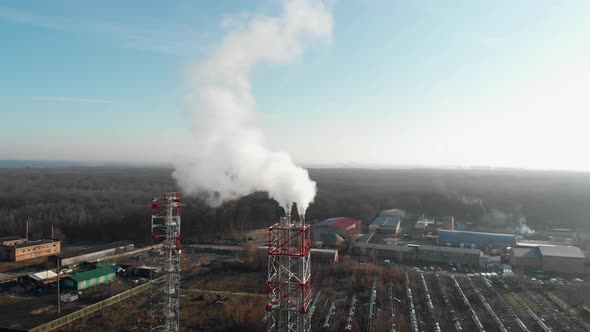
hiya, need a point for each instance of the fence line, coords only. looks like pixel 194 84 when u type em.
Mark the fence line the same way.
pixel 90 309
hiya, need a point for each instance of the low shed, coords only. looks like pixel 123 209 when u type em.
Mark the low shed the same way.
pixel 90 278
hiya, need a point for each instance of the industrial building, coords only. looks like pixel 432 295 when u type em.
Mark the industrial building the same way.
pixel 88 279
pixel 23 250
pixel 528 258
pixel 385 251
pixel 560 234
pixel 562 259
pixel 552 259
pixel 388 221
pixel 334 231
pixel 317 255
pixel 91 254
pixel 11 240
pixel 424 225
pixel 446 255
pixel 368 246
pixel 479 240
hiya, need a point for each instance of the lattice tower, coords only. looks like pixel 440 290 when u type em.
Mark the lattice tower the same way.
pixel 165 263
pixel 289 276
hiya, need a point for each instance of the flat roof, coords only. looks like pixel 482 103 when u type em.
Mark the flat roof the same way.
pixel 468 237
pixel 475 233
pixel 324 250
pixel 384 247
pixel 532 243
pixel 11 238
pixel 34 243
pixel 43 275
pixel 94 249
pixel 562 251
pixel 450 249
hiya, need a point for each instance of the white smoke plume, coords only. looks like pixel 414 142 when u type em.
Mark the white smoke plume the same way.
pixel 522 228
pixel 230 157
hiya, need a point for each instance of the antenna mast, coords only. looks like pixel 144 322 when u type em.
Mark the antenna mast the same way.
pixel 165 288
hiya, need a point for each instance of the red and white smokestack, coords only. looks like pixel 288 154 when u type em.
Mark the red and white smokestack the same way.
pixel 453 223
pixel 27 231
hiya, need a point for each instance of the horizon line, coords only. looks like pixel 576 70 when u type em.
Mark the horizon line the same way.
pixel 370 166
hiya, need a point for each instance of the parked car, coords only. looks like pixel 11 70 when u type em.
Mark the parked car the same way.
pixel 69 297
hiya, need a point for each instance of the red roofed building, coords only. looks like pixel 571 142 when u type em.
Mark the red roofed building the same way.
pixel 334 231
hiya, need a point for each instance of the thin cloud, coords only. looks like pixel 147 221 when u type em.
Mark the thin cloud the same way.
pixel 63 99
pixel 168 38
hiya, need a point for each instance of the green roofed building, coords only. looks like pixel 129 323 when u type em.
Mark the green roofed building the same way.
pixel 88 279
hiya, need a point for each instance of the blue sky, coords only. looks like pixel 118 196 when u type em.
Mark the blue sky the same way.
pixel 435 83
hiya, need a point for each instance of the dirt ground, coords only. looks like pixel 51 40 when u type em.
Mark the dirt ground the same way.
pixel 220 294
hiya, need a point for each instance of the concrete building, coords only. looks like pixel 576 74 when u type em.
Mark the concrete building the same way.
pixel 388 221
pixel 424 225
pixel 560 234
pixel 446 255
pixel 88 279
pixel 480 240
pixel 91 254
pixel 420 228
pixel 562 259
pixel 528 258
pixel 27 250
pixel 317 256
pixel 385 251
pixel 417 253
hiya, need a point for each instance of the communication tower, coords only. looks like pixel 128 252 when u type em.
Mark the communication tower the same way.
pixel 289 276
pixel 165 261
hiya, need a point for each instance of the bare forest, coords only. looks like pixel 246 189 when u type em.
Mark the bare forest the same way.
pixel 108 204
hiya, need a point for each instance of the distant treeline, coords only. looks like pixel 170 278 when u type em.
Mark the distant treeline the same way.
pixel 107 204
